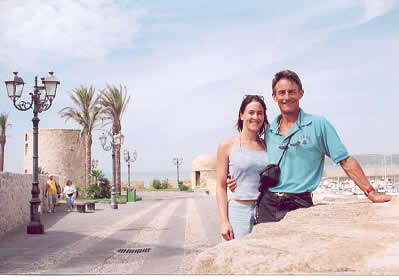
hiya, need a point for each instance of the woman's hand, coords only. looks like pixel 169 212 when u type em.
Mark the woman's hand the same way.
pixel 227 231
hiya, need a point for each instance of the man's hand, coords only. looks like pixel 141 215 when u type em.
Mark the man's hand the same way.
pixel 231 183
pixel 227 231
pixel 376 197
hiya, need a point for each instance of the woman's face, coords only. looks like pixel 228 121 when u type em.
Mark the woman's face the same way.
pixel 253 116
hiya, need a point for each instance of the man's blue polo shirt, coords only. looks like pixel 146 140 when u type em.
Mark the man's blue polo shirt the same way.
pixel 303 163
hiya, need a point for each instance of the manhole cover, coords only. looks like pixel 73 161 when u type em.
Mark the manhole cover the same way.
pixel 133 251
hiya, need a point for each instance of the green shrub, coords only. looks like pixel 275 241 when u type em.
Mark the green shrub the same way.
pixel 94 191
pixel 105 186
pixel 102 190
pixel 183 187
pixel 164 184
pixel 156 184
pixel 78 190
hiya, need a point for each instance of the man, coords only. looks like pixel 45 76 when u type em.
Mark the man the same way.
pixel 311 138
pixel 52 193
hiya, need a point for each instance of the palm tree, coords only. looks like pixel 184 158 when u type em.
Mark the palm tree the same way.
pixel 114 103
pixel 87 114
pixel 3 125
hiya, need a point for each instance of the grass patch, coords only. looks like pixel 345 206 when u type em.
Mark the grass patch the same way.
pixel 121 198
pixel 162 190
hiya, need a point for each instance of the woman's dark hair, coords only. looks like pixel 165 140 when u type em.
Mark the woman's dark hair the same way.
pixel 248 99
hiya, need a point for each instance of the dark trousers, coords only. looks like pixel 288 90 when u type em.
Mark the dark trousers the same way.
pixel 272 207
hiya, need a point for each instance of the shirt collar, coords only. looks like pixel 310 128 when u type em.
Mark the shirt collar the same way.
pixel 304 119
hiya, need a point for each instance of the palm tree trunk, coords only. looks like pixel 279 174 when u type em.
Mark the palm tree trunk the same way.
pixel 2 143
pixel 88 141
pixel 118 169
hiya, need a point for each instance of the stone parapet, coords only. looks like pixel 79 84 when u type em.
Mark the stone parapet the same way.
pixel 15 194
pixel 339 235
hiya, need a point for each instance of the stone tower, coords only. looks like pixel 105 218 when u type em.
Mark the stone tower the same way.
pixel 61 153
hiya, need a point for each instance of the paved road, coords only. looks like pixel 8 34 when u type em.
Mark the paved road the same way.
pixel 173 227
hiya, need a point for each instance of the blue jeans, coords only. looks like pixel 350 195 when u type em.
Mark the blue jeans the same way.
pixel 70 201
pixel 241 218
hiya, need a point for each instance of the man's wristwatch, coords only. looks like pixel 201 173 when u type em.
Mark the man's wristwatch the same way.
pixel 369 190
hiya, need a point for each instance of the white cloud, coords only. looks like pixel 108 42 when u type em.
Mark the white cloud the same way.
pixel 375 8
pixel 62 30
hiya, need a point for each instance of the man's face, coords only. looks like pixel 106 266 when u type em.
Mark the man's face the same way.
pixel 287 96
pixel 51 178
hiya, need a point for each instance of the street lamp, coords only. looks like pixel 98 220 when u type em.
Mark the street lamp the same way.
pixel 94 164
pixel 129 159
pixel 117 139
pixel 177 161
pixel 44 92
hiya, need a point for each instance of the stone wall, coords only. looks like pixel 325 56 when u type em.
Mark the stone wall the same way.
pixel 15 194
pixel 207 180
pixel 61 153
pixel 339 235
pixel 136 184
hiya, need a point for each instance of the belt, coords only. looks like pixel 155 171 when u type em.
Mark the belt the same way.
pixel 280 194
pixel 291 194
pixel 297 197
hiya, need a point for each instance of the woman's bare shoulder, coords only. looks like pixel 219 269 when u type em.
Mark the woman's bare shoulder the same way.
pixel 227 144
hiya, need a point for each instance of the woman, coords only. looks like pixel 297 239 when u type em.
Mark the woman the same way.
pixel 70 192
pixel 243 156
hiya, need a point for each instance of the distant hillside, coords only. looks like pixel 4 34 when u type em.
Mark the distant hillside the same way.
pixel 369 161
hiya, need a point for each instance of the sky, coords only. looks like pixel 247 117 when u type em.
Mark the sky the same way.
pixel 187 65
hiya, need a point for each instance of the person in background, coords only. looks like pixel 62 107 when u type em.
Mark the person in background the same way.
pixel 70 193
pixel 244 156
pixel 51 193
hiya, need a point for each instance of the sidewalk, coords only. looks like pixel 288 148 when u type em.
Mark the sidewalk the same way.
pixel 87 243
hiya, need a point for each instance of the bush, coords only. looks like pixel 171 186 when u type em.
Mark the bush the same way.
pixel 105 186
pixel 103 190
pixel 164 184
pixel 93 191
pixel 78 189
pixel 156 184
pixel 183 187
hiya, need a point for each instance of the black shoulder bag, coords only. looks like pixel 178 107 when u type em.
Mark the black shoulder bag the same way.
pixel 270 175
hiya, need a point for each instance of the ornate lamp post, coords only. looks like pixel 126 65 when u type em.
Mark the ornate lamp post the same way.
pixel 177 161
pixel 94 164
pixel 44 92
pixel 116 140
pixel 129 159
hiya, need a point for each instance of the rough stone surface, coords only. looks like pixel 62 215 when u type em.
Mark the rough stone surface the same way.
pixel 203 173
pixel 339 235
pixel 61 153
pixel 15 194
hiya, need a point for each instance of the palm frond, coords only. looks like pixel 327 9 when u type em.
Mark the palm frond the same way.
pixel 114 101
pixel 86 111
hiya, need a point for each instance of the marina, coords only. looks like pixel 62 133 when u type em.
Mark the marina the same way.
pixel 348 187
pixel 382 171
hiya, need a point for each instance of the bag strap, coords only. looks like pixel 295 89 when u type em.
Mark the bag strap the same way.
pixel 285 148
